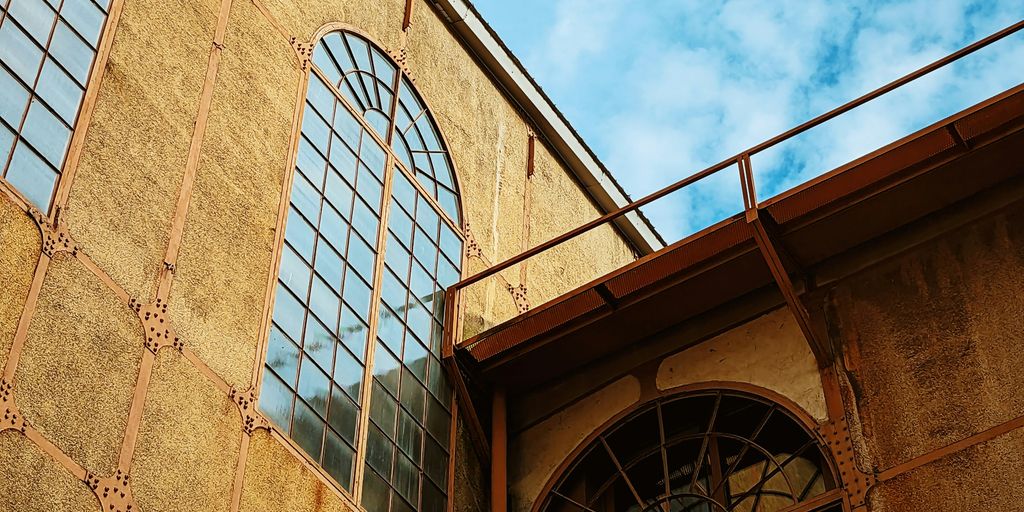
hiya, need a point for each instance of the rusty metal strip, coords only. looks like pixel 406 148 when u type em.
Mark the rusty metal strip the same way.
pixel 527 203
pixel 272 20
pixel 770 252
pixel 815 503
pixel 50 449
pixel 131 433
pixel 103 277
pixel 453 439
pixel 963 444
pixel 194 152
pixel 243 457
pixel 499 451
pixel 21 332
pixel 93 83
pixel 205 370
pixel 407 17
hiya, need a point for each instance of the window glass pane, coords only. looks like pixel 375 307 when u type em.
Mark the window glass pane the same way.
pixel 438 421
pixel 412 394
pixel 59 91
pixel 318 343
pixel 294 272
pixel 426 218
pixel 276 401
pixel 353 333
pixel 313 387
pixel 403 191
pixel 383 68
pixel 386 368
pixel 435 462
pixel 383 409
pixel 420 282
pixel 451 245
pixel 344 161
pixel 344 416
pixel 447 275
pixel 369 188
pixel 19 52
pixel 338 192
pixel 397 258
pixel 31 176
pixel 46 133
pixel 357 296
pixel 14 99
pixel 6 143
pixel 348 372
pixel 324 303
pixel 390 330
pixel 410 436
pixel 401 225
pixel 347 126
pixel 299 234
pixel 288 313
pixel 433 498
pixel 328 264
pixel 338 457
pixel 35 17
pixel 365 222
pixel 415 358
pixel 425 250
pixel 308 430
pixel 315 129
pixel 393 292
pixel 439 386
pixel 320 96
pixel 406 478
pixel 375 491
pixel 333 227
pixel 361 256
pixel 306 198
pixel 85 17
pixel 283 356
pixel 326 64
pixel 372 155
pixel 310 162
pixel 379 450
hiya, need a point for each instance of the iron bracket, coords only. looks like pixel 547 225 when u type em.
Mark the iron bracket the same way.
pixel 854 482
pixel 246 402
pixel 12 418
pixel 56 237
pixel 157 325
pixel 114 493
pixel 519 296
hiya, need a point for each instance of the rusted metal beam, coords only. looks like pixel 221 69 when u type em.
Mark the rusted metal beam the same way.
pixel 770 250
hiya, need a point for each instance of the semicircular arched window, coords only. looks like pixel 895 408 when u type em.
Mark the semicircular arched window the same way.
pixel 372 239
pixel 714 451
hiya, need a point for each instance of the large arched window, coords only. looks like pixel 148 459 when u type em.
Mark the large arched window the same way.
pixel 712 451
pixel 350 326
pixel 47 48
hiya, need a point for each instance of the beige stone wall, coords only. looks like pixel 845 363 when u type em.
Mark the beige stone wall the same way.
pixel 84 399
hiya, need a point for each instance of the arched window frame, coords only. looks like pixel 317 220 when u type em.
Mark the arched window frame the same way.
pixel 393 166
pixel 86 105
pixel 829 501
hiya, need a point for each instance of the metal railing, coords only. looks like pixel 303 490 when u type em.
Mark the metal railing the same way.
pixel 453 294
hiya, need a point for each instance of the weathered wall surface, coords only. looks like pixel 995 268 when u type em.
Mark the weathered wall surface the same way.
pixel 932 341
pixel 536 453
pixel 96 403
pixel 769 352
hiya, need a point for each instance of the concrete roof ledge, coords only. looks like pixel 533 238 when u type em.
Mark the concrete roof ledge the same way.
pixel 551 124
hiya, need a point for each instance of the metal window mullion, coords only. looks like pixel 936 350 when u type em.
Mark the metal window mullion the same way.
pixel 371 342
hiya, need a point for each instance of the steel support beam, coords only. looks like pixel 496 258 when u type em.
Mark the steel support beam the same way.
pixel 773 252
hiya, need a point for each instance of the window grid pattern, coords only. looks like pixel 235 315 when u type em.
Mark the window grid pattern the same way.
pixel 410 406
pixel 317 351
pixel 316 358
pixel 47 48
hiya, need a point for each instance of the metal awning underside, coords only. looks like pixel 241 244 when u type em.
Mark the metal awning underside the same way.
pixel 823 219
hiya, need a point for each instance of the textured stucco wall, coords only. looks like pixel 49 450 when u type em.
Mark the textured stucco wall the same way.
pixel 536 453
pixel 96 399
pixel 932 339
pixel 769 352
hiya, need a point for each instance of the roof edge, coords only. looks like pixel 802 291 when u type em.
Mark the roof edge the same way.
pixel 510 73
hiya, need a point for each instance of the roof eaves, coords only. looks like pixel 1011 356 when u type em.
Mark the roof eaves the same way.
pixel 509 72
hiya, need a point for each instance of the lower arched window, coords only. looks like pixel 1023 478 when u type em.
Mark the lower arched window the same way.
pixel 711 451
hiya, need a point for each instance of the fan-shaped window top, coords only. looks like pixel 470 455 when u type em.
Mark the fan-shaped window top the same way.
pixel 368 79
pixel 715 451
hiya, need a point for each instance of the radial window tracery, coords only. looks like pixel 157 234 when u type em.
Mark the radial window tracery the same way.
pixel 716 451
pixel 347 325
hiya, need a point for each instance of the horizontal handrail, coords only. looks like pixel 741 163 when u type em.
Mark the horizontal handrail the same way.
pixel 782 137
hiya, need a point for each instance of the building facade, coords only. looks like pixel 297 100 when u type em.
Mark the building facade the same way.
pixel 231 233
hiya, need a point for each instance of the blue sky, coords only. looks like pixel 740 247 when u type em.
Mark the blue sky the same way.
pixel 661 89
